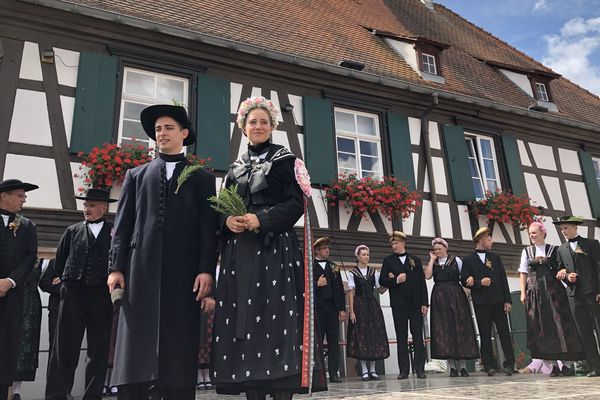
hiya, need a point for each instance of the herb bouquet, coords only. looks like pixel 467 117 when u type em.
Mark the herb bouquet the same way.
pixel 229 202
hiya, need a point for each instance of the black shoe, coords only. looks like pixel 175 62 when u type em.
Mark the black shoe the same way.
pixel 16 396
pixel 555 371
pixel 508 371
pixel 335 379
pixel 421 375
pixel 594 373
pixel 464 373
pixel 491 372
pixel 403 375
pixel 453 373
pixel 566 371
pixel 365 376
pixel 373 376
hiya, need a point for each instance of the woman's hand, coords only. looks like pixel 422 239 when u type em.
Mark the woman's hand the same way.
pixel 352 317
pixel 523 297
pixel 401 278
pixel 207 304
pixel 236 224
pixel 562 274
pixel 470 281
pixel 432 256
pixel 252 222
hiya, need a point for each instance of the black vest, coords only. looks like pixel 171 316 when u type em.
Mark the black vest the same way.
pixel 87 262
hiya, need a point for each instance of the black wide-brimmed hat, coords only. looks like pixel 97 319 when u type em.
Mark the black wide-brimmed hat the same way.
pixel 150 114
pixel 569 219
pixel 97 195
pixel 14 184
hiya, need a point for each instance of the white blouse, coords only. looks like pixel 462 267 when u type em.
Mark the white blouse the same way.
pixel 351 284
pixel 540 251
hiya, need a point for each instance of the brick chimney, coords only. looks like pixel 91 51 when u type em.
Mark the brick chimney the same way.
pixel 428 4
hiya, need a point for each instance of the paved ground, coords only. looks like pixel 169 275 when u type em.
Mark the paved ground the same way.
pixel 442 387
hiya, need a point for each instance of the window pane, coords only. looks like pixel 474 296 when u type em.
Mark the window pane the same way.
pixel 486 148
pixel 133 129
pixel 346 160
pixel 490 171
pixel 473 168
pixel 140 84
pixel 492 186
pixel 368 148
pixel 477 188
pixel 170 89
pixel 470 147
pixel 369 163
pixel 374 175
pixel 366 125
pixel 597 168
pixel 144 143
pixel 344 121
pixel 133 110
pixel 347 171
pixel 346 145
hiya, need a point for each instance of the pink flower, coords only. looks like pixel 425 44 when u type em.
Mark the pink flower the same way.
pixel 302 177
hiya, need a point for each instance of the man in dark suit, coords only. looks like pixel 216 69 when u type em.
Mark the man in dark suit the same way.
pixel 403 274
pixel 164 256
pixel 483 273
pixel 330 304
pixel 579 260
pixel 18 249
pixel 85 305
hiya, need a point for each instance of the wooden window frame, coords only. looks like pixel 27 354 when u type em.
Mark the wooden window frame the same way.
pixel 432 52
pixel 474 143
pixel 542 81
pixel 596 163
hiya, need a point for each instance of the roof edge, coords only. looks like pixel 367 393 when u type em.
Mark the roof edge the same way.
pixel 94 12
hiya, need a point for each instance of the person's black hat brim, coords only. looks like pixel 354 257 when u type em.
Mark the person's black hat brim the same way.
pixel 96 195
pixel 150 114
pixel 14 184
pixel 569 219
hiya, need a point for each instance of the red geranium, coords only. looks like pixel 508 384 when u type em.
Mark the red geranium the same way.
pixel 503 206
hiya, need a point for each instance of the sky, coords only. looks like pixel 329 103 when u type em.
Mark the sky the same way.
pixel 562 34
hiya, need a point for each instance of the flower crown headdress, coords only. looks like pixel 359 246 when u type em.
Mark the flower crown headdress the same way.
pixel 255 102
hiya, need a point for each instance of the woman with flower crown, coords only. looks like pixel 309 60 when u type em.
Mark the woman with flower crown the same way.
pixel 259 299
pixel 551 330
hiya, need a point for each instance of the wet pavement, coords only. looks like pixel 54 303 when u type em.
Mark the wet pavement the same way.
pixel 442 387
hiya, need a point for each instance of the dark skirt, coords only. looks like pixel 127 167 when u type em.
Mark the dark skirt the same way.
pixel 258 326
pixel 206 329
pixel 27 362
pixel 452 332
pixel 367 338
pixel 551 330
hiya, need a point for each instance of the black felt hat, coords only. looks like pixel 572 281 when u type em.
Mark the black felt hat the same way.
pixel 568 219
pixel 97 195
pixel 150 114
pixel 14 184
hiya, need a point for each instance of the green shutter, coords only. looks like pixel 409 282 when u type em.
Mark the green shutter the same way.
pixel 513 165
pixel 318 139
pixel 401 149
pixel 95 97
pixel 591 182
pixel 458 163
pixel 213 122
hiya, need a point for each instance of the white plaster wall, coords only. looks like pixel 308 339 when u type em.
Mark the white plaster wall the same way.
pixel 414 127
pixel 366 224
pixel 434 135
pixel 465 224
pixel 278 137
pixel 296 101
pixel 30 123
pixel 275 100
pixel 235 96
pixel 553 188
pixel 543 156
pixel 445 220
pixel 407 51
pixel 427 226
pixel 426 185
pixel 67 104
pixel 77 175
pixel 583 231
pixel 415 157
pixel 231 128
pixel 37 170
pixel 439 171
pixel 553 235
pixel 523 154
pixel 520 80
pixel 578 198
pixel 569 161
pixel 533 190
pixel 344 215
pixel 497 235
pixel 31 67
pixel 597 233
pixel 319 202
pixel 256 91
pixel 67 64
pixel 407 224
pixel 301 141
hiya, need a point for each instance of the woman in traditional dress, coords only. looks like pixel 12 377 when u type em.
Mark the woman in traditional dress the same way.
pixel 452 333
pixel 259 314
pixel 367 337
pixel 551 330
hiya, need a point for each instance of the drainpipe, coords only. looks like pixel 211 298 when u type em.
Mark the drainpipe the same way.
pixel 430 172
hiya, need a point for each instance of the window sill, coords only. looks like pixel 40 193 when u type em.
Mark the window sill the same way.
pixel 432 78
pixel 548 104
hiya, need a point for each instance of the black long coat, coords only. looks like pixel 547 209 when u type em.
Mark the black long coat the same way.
pixel 498 291
pixel 17 258
pixel 585 264
pixel 161 241
pixel 414 286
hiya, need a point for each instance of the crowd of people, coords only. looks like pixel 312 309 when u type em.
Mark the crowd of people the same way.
pixel 147 292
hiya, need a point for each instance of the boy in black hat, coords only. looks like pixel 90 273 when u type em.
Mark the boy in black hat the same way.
pixel 82 266
pixel 163 255
pixel 18 249
pixel 483 273
pixel 579 260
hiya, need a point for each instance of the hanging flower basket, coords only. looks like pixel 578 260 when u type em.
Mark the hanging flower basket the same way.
pixel 367 195
pixel 503 206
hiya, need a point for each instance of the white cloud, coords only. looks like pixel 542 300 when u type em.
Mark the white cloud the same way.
pixel 569 53
pixel 540 5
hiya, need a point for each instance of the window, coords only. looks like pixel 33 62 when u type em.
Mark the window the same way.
pixel 428 64
pixel 483 164
pixel 540 92
pixel 596 163
pixel 140 90
pixel 358 144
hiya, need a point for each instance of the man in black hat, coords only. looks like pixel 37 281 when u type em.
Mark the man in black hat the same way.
pixel 579 263
pixel 82 266
pixel 163 255
pixel 483 272
pixel 330 304
pixel 18 249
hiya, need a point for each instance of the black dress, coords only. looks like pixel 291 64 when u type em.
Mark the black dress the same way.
pixel 551 330
pixel 452 332
pixel 367 337
pixel 258 326
pixel 27 363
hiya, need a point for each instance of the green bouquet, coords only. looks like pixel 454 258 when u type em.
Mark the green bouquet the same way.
pixel 229 202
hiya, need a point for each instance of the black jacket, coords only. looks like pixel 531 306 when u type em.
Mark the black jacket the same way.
pixel 414 286
pixel 334 290
pixel 498 291
pixel 586 264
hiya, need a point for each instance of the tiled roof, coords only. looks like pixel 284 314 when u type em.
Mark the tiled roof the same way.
pixel 328 31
